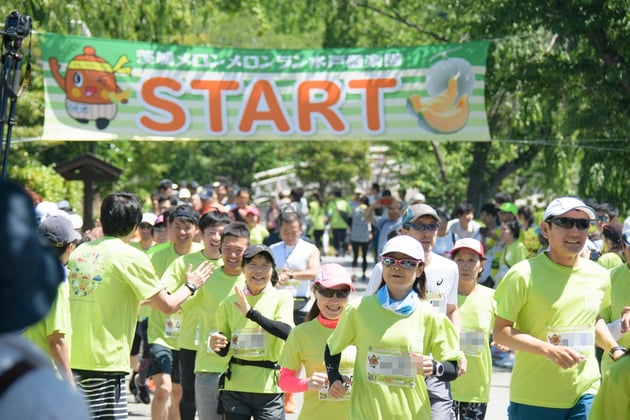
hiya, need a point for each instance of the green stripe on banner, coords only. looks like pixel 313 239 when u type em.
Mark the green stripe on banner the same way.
pixel 104 89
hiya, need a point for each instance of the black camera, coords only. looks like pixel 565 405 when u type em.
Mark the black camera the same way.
pixel 17 25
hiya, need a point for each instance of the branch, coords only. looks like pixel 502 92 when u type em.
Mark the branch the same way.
pixel 613 59
pixel 512 166
pixel 397 16
pixel 440 160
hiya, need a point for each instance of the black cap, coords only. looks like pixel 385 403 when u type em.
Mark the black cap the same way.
pixel 254 250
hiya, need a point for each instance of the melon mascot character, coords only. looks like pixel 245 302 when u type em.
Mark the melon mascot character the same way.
pixel 92 93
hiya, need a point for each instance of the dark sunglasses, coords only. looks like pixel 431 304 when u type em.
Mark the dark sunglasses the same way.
pixel 328 293
pixel 422 226
pixel 602 218
pixel 569 222
pixel 405 263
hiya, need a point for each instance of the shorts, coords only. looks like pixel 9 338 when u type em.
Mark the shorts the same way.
pixel 164 360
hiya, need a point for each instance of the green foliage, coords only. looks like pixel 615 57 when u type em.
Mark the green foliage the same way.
pixel 557 92
pixel 44 181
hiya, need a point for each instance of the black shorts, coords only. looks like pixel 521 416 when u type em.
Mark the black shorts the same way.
pixel 164 360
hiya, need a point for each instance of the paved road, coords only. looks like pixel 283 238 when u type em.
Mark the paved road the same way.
pixel 499 394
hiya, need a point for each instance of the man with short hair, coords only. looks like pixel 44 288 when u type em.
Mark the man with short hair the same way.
pixel 548 312
pixel 234 240
pixel 108 279
pixel 385 223
pixel 211 226
pixel 299 263
pixel 164 330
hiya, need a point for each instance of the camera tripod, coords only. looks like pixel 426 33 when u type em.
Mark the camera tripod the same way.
pixel 10 89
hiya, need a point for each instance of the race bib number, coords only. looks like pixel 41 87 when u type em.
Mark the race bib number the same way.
pixel 580 339
pixel 173 325
pixel 472 342
pixel 391 367
pixel 248 343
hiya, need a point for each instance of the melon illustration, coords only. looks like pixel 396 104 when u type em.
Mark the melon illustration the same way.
pixel 447 122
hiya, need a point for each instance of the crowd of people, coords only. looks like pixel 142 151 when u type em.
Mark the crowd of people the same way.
pixel 222 308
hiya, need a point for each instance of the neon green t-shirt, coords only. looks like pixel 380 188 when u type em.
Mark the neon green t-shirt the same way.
pixel 334 208
pixel 305 347
pixel 107 280
pixel 188 335
pixel 207 301
pixel 157 247
pixel 613 399
pixel 556 304
pixel 138 245
pixel 165 329
pixel 249 341
pixel 58 319
pixel 619 298
pixel 384 338
pixel 477 312
pixel 257 234
pixel 610 260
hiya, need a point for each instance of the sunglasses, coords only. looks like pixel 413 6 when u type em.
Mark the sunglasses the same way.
pixel 602 218
pixel 421 227
pixel 569 222
pixel 405 263
pixel 328 293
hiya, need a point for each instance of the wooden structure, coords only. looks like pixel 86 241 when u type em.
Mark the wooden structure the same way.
pixel 89 169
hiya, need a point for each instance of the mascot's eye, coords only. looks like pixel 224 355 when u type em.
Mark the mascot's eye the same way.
pixel 78 79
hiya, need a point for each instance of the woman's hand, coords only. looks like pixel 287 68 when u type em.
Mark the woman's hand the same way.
pixel 218 341
pixel 317 381
pixel 242 305
pixel 339 388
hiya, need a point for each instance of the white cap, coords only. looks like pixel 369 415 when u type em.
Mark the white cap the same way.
pixel 148 218
pixel 77 221
pixel 184 193
pixel 405 245
pixel 564 204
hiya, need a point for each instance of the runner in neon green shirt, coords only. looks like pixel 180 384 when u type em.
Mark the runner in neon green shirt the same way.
pixel 471 392
pixel 53 333
pixel 257 321
pixel 306 343
pixel 209 365
pixel 613 398
pixel 547 311
pixel 394 332
pixel 108 279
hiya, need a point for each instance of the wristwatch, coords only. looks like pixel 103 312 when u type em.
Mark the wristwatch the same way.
pixel 191 287
pixel 615 349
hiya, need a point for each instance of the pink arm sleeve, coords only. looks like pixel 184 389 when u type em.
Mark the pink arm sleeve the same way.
pixel 289 382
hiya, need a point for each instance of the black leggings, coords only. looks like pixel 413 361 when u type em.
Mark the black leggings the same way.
pixel 187 405
pixel 355 254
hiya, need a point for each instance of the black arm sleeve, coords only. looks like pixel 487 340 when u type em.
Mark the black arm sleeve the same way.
pixel 450 370
pixel 275 328
pixel 332 366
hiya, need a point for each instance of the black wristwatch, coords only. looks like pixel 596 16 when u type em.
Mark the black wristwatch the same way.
pixel 615 349
pixel 191 287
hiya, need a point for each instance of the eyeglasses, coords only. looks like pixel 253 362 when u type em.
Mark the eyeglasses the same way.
pixel 405 263
pixel 569 222
pixel 329 293
pixel 422 226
